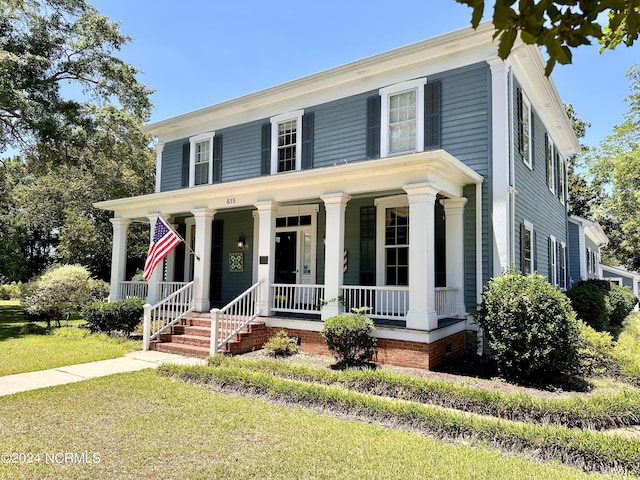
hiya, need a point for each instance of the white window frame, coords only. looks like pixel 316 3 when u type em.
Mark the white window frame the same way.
pixel 194 141
pixel 551 167
pixel 589 260
pixel 275 122
pixel 562 267
pixel 553 261
pixel 382 204
pixel 529 226
pixel 526 109
pixel 386 93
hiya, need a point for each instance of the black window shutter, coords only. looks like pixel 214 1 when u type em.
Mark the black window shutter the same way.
pixel 546 153
pixel 307 140
pixel 185 165
pixel 519 108
pixel 558 173
pixel 534 254
pixel 432 115
pixel 265 165
pixel 217 159
pixel 373 126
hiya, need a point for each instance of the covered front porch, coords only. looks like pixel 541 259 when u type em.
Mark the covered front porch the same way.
pixel 388 235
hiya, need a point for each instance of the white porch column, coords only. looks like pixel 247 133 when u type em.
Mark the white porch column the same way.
pixel 267 212
pixel 153 294
pixel 454 227
pixel 118 255
pixel 202 268
pixel 422 282
pixel 159 150
pixel 335 206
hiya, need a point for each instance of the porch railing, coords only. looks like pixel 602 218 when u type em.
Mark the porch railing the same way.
pixel 133 290
pixel 297 298
pixel 160 317
pixel 446 300
pixel 230 320
pixel 383 302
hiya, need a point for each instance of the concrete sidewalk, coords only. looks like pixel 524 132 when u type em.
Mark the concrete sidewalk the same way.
pixel 131 362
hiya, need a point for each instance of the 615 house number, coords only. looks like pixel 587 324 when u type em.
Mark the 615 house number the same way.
pixel 231 201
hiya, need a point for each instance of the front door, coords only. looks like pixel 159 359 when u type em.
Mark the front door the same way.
pixel 295 257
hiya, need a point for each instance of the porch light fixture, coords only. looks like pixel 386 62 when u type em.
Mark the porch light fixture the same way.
pixel 241 241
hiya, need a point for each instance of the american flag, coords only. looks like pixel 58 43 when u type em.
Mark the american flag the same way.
pixel 164 240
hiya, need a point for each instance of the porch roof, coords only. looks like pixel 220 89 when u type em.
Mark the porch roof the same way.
pixel 436 167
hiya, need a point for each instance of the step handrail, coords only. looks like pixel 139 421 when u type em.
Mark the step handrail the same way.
pixel 167 312
pixel 233 317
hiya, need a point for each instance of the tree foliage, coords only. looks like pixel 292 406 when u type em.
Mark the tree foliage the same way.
pixel 614 167
pixel 560 25
pixel 57 63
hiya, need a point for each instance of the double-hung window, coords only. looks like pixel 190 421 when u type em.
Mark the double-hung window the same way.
pixel 553 261
pixel 551 163
pixel 525 131
pixel 286 139
pixel 402 111
pixel 201 159
pixel 527 247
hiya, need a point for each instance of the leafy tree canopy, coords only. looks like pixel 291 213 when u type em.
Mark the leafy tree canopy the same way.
pixel 57 63
pixel 560 25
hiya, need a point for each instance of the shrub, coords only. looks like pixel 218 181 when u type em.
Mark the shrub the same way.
pixel 596 352
pixel 11 291
pixel 348 337
pixel 119 316
pixel 57 293
pixel 601 304
pixel 98 291
pixel 281 344
pixel 530 326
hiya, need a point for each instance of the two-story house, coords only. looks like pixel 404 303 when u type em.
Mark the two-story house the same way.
pixel 401 182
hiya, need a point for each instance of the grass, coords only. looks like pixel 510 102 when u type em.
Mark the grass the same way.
pixel 627 349
pixel 27 347
pixel 142 425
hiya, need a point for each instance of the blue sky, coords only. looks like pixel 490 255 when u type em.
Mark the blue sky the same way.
pixel 195 53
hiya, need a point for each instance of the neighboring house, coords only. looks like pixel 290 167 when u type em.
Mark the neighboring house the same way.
pixel 401 182
pixel 586 238
pixel 622 277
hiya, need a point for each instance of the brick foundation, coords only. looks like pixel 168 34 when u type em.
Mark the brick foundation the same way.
pixel 401 353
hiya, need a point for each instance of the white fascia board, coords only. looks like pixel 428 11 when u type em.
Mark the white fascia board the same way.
pixel 445 52
pixel 528 66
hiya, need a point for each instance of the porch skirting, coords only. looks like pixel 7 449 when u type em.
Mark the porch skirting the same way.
pixel 401 352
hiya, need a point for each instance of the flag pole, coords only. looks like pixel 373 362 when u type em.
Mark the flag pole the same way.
pixel 178 235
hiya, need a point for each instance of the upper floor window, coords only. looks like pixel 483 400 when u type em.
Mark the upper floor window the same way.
pixel 402 112
pixel 201 159
pixel 525 129
pixel 286 141
pixel 551 163
pixel 562 180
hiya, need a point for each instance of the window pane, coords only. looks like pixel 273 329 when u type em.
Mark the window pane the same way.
pixel 287 146
pixel 402 122
pixel 202 174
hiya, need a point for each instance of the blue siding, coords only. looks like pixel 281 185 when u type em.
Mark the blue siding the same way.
pixel 171 176
pixel 234 223
pixel 534 201
pixel 241 150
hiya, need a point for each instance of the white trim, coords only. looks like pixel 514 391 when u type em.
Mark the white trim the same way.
pixel 529 226
pixel 526 105
pixel 275 122
pixel 553 261
pixel 193 141
pixel 386 93
pixel 159 150
pixel 382 204
pixel 551 168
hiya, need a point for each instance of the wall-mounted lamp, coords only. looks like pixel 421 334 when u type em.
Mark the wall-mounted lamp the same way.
pixel 241 241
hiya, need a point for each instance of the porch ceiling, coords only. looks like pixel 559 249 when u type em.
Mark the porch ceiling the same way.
pixel 436 167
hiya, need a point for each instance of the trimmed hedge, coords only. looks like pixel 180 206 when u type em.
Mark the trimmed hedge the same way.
pixel 348 337
pixel 593 412
pixel 592 451
pixel 121 315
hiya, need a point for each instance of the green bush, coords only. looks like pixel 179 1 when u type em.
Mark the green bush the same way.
pixel 281 344
pixel 348 337
pixel 57 293
pixel 98 291
pixel 596 352
pixel 601 304
pixel 529 325
pixel 119 316
pixel 11 291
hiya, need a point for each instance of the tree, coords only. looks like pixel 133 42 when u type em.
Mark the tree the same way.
pixel 614 166
pixel 56 65
pixel 560 25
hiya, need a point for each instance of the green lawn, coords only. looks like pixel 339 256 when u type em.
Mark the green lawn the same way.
pixel 28 347
pixel 141 425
